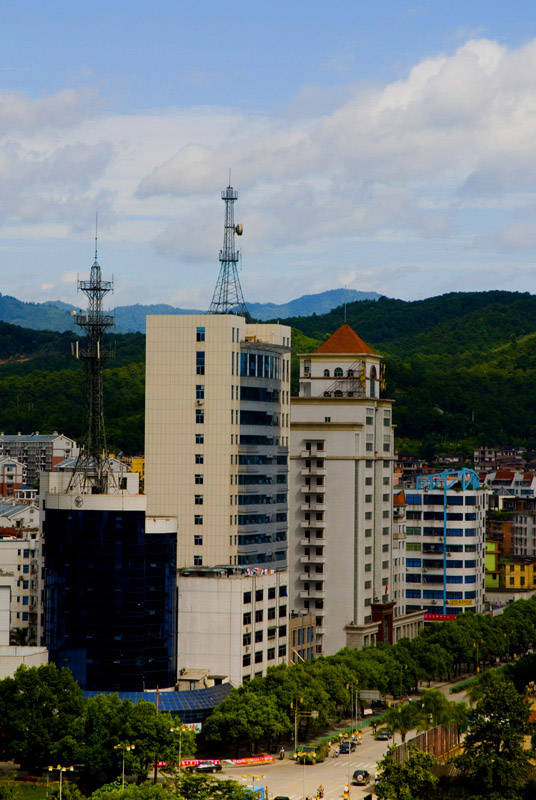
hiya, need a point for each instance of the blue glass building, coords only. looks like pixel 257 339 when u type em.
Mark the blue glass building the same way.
pixel 110 595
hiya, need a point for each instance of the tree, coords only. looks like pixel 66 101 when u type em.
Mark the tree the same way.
pixel 37 706
pixel 205 787
pixel 144 791
pixel 245 716
pixel 105 722
pixel 411 779
pixel 495 760
pixel 404 718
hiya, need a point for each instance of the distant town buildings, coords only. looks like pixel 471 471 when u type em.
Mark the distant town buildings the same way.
pixel 37 452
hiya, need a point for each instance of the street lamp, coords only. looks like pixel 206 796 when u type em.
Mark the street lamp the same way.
pixel 61 770
pixel 180 729
pixel 123 747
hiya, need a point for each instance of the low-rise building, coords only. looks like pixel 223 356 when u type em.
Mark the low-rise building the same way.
pixel 38 452
pixel 492 580
pixel 517 573
pixel 233 621
pixel 12 476
pixel 302 636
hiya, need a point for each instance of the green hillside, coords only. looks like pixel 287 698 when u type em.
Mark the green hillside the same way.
pixel 460 367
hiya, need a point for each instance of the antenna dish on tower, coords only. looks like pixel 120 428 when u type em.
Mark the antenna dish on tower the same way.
pixel 228 297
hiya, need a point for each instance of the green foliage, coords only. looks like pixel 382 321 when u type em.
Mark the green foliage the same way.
pixel 37 706
pixel 494 757
pixel 105 722
pixel 204 787
pixel 409 780
pixel 461 368
pixel 142 791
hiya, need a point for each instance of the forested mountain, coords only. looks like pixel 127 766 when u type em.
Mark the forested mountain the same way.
pixel 460 367
pixel 54 315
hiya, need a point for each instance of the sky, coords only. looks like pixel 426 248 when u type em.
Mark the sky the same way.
pixel 386 146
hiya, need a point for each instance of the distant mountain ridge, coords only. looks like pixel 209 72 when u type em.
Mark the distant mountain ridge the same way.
pixel 55 315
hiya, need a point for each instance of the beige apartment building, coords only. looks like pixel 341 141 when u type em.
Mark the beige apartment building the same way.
pixel 341 471
pixel 216 439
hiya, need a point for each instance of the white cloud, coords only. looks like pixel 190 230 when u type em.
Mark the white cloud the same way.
pixel 416 160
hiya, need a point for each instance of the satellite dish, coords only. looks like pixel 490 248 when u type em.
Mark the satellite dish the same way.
pixel 239 229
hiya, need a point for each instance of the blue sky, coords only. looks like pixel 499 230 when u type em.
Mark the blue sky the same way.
pixel 389 146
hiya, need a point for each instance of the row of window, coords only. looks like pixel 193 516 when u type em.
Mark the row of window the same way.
pixel 438 499
pixel 259 617
pixel 259 594
pixel 451 563
pixel 259 656
pixel 437 594
pixel 439 578
pixel 270 633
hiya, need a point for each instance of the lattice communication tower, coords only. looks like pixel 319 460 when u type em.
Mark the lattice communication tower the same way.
pixel 93 461
pixel 228 297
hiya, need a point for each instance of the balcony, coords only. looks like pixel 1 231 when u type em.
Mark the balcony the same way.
pixel 312 559
pixel 313 524
pixel 308 542
pixel 312 594
pixel 313 471
pixel 313 506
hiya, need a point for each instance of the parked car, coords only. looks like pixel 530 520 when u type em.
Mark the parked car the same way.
pixel 384 734
pixel 361 777
pixel 347 746
pixel 206 766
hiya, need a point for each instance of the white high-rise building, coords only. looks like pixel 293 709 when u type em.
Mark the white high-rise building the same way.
pixel 340 483
pixel 216 439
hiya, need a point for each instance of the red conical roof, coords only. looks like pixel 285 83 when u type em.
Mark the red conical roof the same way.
pixel 344 340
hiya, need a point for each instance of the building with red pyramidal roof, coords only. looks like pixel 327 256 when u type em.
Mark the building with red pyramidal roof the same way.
pixel 340 498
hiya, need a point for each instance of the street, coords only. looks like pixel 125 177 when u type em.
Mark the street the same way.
pixel 297 781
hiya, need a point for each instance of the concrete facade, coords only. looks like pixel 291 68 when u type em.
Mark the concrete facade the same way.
pixel 341 467
pixel 236 623
pixel 38 452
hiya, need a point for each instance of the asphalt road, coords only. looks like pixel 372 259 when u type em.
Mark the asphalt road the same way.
pixel 298 781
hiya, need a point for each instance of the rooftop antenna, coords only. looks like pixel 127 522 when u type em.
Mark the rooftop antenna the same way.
pixel 92 462
pixel 345 303
pixel 228 297
pixel 96 231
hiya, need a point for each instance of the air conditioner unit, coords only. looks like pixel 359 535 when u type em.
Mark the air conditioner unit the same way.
pixel 199 402
pixel 425 569
pixel 433 602
pixel 247 648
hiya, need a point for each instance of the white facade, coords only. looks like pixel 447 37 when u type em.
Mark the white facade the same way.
pixel 451 582
pixel 20 560
pixel 38 452
pixel 236 623
pixel 341 467
pixel 11 658
pixel 216 458
pixel 524 531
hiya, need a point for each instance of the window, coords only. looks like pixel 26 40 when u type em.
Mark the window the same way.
pixel 198 519
pixel 199 392
pixel 198 540
pixel 282 611
pixel 246 660
pixel 246 639
pixel 368 498
pixel 368 567
pixel 327 419
pixel 368 481
pixel 373 380
pixel 25 568
pixel 258 636
pixel 368 532
pixel 282 650
pixel 326 373
pixel 199 458
pixel 385 498
pixel 200 362
pixel 282 631
pixel 258 657
pixel 282 591
pixel 337 373
pixel 368 551
pixel 270 654
pixel 258 615
pixel 199 478
pixel 199 416
pixel 271 613
pixel 368 584
pixel 368 446
pixel 368 463
pixel 200 335
pixel 198 561
pixel 368 514
pixel 385 548
pixel 271 593
pixel 259 595
pixel 386 480
pixel 246 618
pixel 199 438
pixel 198 499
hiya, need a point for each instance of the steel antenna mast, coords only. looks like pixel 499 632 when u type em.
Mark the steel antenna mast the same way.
pixel 93 459
pixel 228 297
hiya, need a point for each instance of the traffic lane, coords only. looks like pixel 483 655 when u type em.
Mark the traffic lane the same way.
pixel 297 780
